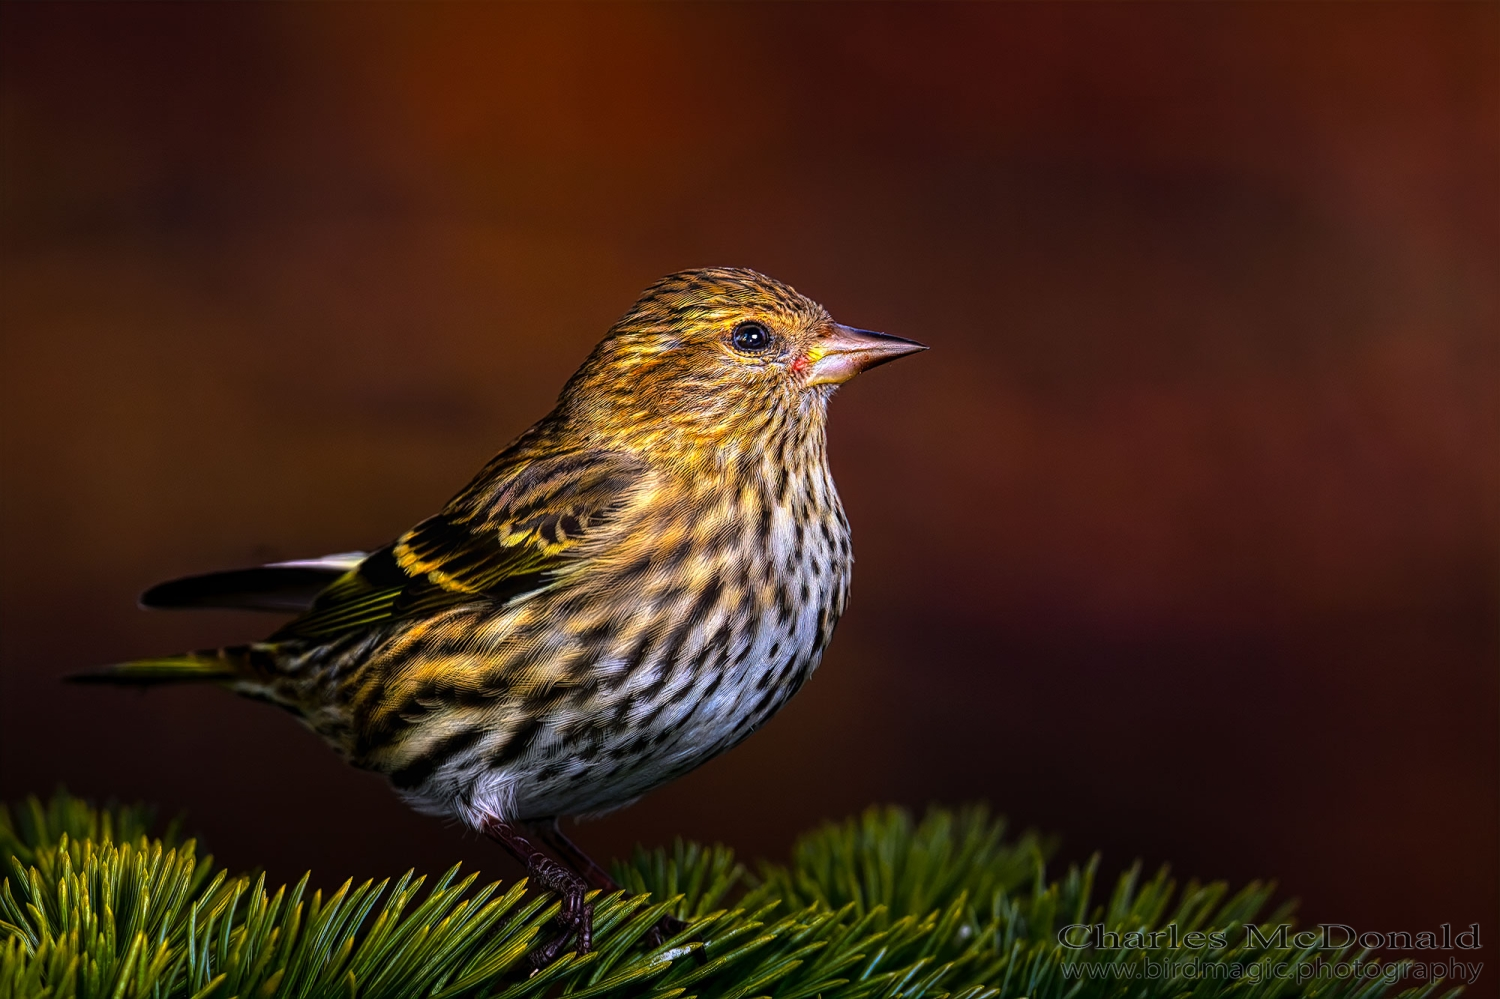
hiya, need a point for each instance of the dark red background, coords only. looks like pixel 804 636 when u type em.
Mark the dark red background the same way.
pixel 1181 542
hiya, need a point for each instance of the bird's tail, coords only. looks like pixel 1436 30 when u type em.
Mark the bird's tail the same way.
pixel 235 663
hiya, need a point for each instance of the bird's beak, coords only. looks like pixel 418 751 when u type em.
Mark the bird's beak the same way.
pixel 843 352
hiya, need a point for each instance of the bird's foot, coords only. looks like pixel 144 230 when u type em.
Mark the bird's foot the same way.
pixel 665 929
pixel 574 913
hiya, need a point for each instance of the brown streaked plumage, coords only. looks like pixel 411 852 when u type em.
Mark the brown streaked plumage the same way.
pixel 627 590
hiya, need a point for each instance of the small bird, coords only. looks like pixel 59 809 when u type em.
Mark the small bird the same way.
pixel 629 589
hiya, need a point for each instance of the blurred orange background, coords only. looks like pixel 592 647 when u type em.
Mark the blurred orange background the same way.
pixel 1181 542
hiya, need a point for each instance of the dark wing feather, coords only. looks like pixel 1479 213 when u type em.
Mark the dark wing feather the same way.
pixel 497 539
pixel 284 587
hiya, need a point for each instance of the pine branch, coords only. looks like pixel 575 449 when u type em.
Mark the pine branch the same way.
pixel 878 906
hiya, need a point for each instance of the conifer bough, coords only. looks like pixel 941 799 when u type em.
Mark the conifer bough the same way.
pixel 94 905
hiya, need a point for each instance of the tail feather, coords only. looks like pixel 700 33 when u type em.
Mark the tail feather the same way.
pixel 193 667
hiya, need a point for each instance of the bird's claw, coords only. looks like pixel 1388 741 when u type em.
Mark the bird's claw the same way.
pixel 575 913
pixel 665 929
pixel 668 927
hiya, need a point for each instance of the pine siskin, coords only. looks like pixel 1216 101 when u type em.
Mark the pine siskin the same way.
pixel 629 589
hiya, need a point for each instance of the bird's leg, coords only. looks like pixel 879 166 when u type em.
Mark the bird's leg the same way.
pixel 550 832
pixel 574 911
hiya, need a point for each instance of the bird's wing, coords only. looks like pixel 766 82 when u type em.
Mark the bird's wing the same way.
pixel 499 538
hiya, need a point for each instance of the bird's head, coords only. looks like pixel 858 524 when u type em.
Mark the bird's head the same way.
pixel 722 356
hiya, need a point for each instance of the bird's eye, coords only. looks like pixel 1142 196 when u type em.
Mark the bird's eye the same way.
pixel 751 338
